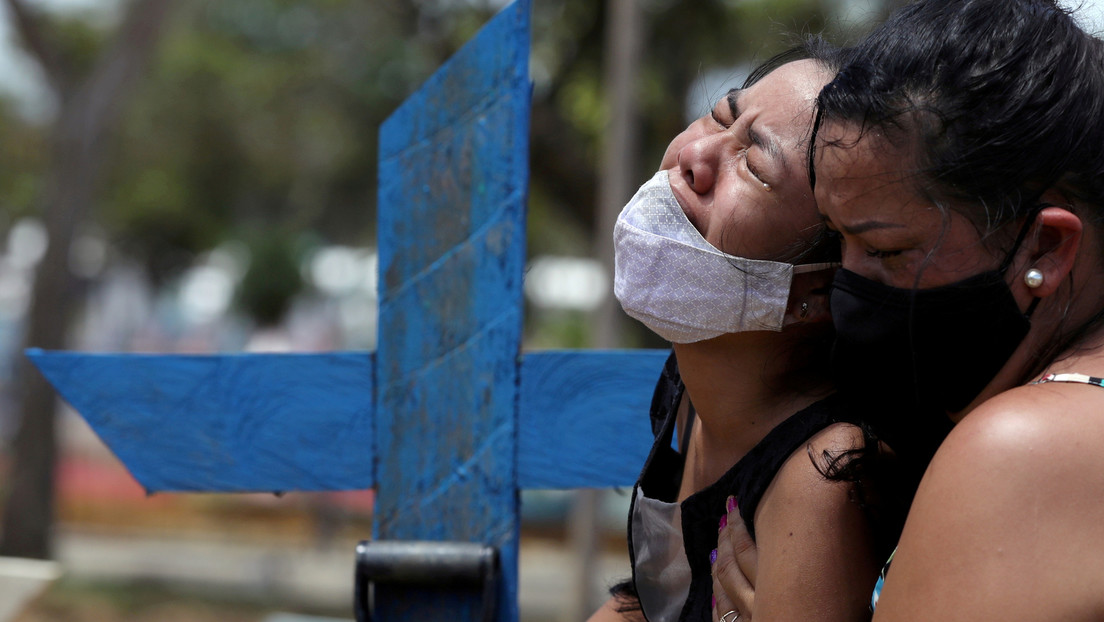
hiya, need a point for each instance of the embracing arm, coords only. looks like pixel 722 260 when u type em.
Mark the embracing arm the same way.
pixel 815 558
pixel 1008 523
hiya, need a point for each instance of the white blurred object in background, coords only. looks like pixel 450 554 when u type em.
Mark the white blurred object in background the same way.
pixel 21 580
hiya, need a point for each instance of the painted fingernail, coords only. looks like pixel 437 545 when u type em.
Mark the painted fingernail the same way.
pixel 730 504
pixel 714 601
pixel 724 522
pixel 712 557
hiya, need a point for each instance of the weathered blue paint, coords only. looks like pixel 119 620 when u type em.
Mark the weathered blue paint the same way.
pixel 453 176
pixel 226 423
pixel 267 422
pixel 432 419
pixel 584 417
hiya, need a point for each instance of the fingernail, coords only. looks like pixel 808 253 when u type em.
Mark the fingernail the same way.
pixel 713 557
pixel 730 504
pixel 714 601
pixel 724 522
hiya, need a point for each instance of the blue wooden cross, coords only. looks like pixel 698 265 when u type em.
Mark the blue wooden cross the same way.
pixel 447 419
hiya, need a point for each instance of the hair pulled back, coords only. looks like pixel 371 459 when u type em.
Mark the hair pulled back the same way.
pixel 822 248
pixel 991 103
pixel 997 101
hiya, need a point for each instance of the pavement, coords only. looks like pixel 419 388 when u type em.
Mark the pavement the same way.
pixel 319 578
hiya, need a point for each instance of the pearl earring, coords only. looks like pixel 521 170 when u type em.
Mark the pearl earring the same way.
pixel 1033 278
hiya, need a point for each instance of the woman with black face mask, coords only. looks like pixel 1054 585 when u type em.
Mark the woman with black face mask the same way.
pixel 959 155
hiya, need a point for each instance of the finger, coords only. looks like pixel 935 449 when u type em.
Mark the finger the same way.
pixel 722 604
pixel 741 544
pixel 731 587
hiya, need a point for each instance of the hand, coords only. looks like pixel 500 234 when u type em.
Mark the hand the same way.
pixel 735 567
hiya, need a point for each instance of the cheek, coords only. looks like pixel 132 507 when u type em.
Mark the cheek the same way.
pixel 956 264
pixel 794 218
pixel 760 227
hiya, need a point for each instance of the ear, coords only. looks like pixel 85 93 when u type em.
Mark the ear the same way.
pixel 1052 250
pixel 808 301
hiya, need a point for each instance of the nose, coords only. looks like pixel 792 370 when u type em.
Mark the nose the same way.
pixel 698 162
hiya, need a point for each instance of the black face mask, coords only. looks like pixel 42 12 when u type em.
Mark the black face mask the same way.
pixel 931 348
pixel 912 356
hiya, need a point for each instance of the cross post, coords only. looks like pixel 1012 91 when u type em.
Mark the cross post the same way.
pixel 447 419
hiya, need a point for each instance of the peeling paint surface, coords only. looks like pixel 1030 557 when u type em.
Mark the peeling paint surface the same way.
pixel 226 423
pixel 453 188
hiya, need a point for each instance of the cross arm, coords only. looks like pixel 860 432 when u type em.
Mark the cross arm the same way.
pixel 280 422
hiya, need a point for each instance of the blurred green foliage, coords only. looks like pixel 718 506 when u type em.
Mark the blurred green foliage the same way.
pixel 23 154
pixel 260 117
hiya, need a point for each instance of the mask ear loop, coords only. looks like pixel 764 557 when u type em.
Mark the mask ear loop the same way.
pixel 1007 263
pixel 1031 307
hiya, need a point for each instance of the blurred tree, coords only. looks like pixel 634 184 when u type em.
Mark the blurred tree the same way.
pixel 261 113
pixel 272 280
pixel 90 80
pixel 23 153
pixel 258 120
pixel 258 116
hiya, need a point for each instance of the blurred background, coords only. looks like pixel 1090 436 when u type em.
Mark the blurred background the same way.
pixel 198 176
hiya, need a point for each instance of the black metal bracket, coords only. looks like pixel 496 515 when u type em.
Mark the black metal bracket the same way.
pixel 432 564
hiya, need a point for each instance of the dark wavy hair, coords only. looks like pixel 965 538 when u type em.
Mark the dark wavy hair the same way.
pixel 993 103
pixel 996 102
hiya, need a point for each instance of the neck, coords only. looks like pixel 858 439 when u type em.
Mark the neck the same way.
pixel 742 385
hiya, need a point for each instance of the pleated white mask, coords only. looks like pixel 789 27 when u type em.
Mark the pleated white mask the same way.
pixel 682 287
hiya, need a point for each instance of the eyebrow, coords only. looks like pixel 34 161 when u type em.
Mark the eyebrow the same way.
pixel 862 227
pixel 766 143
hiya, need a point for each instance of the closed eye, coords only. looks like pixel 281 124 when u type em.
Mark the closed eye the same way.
pixel 751 169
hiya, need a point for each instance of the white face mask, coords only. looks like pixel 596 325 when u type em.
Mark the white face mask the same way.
pixel 682 287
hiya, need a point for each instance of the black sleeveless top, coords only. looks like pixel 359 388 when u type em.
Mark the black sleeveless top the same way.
pixel 747 480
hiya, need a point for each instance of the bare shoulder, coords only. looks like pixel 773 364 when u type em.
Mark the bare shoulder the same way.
pixel 815 551
pixel 1012 490
pixel 1045 428
pixel 802 476
pixel 1035 445
pixel 837 437
pixel 613 610
pixel 802 499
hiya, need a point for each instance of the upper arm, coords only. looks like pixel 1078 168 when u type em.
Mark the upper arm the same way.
pixel 816 558
pixel 1006 523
